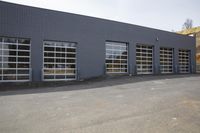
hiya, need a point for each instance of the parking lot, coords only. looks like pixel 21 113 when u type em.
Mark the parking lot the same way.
pixel 144 104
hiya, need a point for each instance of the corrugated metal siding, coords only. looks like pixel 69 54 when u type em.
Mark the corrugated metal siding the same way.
pixel 90 34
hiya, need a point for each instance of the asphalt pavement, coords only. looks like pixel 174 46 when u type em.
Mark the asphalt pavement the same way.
pixel 170 104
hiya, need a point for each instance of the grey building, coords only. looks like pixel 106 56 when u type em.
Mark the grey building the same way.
pixel 44 45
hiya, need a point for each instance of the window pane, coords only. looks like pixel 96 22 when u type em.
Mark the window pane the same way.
pixel 7 52
pixel 70 60
pixel 10 40
pixel 49 60
pixel 60 71
pixel 48 54
pixel 48 71
pixel 23 77
pixel 11 51
pixel 13 77
pixel 70 66
pixel 23 71
pixel 49 77
pixel 49 66
pixel 9 46
pixel 49 48
pixel 60 60
pixel 71 55
pixel 24 41
pixel 23 47
pixel 59 65
pixel 71 50
pixel 9 65
pixel 9 59
pixel 23 65
pixel 9 71
pixel 70 71
pixel 60 77
pixel 70 76
pixel 60 54
pixel 21 59
pixel 22 53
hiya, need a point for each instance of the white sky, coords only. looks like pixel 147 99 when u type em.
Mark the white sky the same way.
pixel 160 14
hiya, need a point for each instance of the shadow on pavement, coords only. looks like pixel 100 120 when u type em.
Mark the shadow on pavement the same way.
pixel 45 87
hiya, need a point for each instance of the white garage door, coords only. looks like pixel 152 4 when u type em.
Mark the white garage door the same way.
pixel 15 59
pixel 144 59
pixel 59 61
pixel 166 60
pixel 184 61
pixel 116 57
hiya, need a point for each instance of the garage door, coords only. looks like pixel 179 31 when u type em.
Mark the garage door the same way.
pixel 15 59
pixel 144 59
pixel 59 61
pixel 116 57
pixel 184 61
pixel 166 60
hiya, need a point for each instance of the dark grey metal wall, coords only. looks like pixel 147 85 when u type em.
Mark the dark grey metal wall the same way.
pixel 90 34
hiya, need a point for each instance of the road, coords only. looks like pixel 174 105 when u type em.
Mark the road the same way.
pixel 159 105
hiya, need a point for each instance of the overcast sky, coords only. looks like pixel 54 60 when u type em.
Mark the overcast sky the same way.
pixel 160 14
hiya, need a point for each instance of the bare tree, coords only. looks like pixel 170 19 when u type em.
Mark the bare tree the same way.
pixel 188 24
